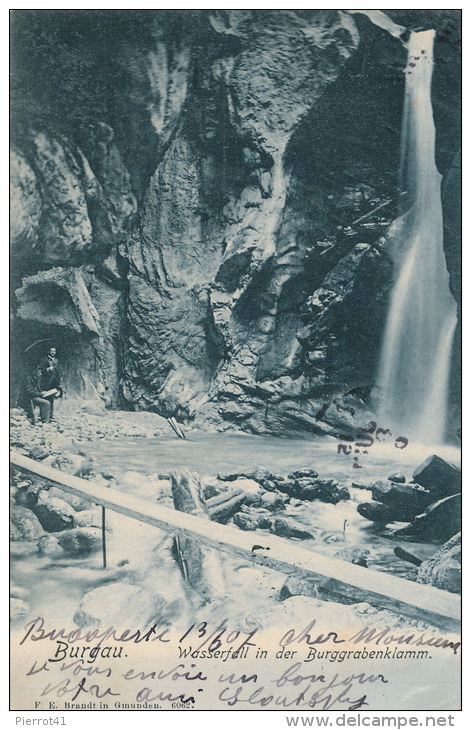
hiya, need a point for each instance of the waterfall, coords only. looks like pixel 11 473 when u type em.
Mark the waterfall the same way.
pixel 413 375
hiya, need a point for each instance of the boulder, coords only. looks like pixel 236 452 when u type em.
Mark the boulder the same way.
pixel 89 518
pixel 27 496
pixel 19 483
pixel 77 503
pixel 378 512
pixel 80 541
pixel 286 527
pixel 357 556
pixel 245 521
pixel 74 464
pixel 259 474
pixel 408 500
pixel 212 488
pixel 119 604
pixel 38 453
pixel 443 570
pixel 303 485
pixel 53 513
pixel 438 476
pixel 250 487
pixel 24 525
pixel 294 586
pixel 73 307
pixel 323 490
pixel 273 501
pixel 287 486
pixel 396 477
pixel 49 545
pixel 343 494
pixel 228 476
pixel 265 520
pixel 303 474
pixel 360 485
pixel 440 521
pixel 270 485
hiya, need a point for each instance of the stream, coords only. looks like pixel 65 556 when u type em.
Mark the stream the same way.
pixel 211 453
pixel 336 526
pixel 135 463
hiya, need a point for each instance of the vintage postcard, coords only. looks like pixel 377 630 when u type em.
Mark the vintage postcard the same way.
pixel 235 402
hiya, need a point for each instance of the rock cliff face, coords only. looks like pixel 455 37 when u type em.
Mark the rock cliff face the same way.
pixel 188 193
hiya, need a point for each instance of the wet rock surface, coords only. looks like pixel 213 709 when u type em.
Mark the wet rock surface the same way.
pixel 443 570
pixel 24 525
pixel 53 513
pixel 325 491
pixel 194 240
pixel 303 484
pixel 119 604
pixel 80 541
pixel 298 587
pixel 431 515
pixel 260 501
pixel 440 521
pixel 439 476
pixel 398 478
pixel 404 501
pixel 27 494
pixel 246 521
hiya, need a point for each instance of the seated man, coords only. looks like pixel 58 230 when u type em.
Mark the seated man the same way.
pixel 44 385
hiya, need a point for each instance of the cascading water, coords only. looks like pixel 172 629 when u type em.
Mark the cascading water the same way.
pixel 414 366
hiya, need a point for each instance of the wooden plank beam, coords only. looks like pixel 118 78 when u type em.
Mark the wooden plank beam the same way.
pixel 421 602
pixel 201 566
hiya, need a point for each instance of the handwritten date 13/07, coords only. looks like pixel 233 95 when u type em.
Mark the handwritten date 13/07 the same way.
pixel 366 437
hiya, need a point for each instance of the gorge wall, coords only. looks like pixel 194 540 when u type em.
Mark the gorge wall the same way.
pixel 188 199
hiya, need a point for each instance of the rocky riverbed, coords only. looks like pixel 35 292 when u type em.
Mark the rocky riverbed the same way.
pixel 77 423
pixel 57 538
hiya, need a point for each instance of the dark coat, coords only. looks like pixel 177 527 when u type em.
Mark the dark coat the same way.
pixel 33 385
pixel 45 376
pixel 49 374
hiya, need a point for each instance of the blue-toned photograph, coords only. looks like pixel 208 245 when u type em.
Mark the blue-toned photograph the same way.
pixel 235 406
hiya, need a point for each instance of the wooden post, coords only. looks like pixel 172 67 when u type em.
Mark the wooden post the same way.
pixel 200 565
pixel 176 427
pixel 103 535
